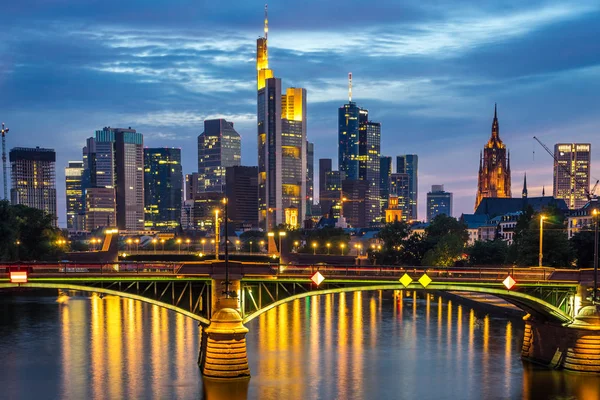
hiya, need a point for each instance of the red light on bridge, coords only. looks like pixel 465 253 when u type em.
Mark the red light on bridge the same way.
pixel 317 278
pixel 509 282
pixel 18 276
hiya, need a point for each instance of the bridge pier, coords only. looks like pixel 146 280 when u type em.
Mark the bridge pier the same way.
pixel 223 342
pixel 574 347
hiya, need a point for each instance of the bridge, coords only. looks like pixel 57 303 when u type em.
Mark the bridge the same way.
pixel 555 335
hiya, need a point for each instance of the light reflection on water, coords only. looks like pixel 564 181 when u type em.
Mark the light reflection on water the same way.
pixel 345 346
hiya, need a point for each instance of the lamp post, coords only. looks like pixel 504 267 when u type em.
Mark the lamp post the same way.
pixel 594 293
pixel 314 245
pixel 342 245
pixel 154 244
pixel 179 245
pixel 129 241
pixel 281 234
pixel 18 243
pixel 251 247
pixel 541 256
pixel 203 242
pixel 137 243
pixel 162 242
pixel 296 245
pixel 328 246
pixel 237 246
pixel 262 245
pixel 217 234
pixel 225 204
pixel 187 244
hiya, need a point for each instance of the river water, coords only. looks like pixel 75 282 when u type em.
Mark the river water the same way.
pixel 369 345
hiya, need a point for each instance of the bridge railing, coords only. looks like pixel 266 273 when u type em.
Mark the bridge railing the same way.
pixel 120 268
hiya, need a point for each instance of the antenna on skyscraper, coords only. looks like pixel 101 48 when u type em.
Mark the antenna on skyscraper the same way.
pixel 349 87
pixel 4 132
pixel 266 21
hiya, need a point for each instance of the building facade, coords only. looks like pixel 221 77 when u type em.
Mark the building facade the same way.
pixel 282 146
pixel 353 208
pixel 310 176
pixel 494 167
pixel 385 173
pixel 219 147
pixel 409 164
pixel 33 175
pixel 325 166
pixel 120 165
pixel 400 187
pixel 74 193
pixel 163 188
pixel 438 202
pixel 333 193
pixel 572 173
pixel 100 208
pixel 242 196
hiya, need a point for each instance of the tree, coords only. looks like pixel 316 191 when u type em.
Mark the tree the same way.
pixel 446 252
pixel 393 234
pixel 583 247
pixel 492 252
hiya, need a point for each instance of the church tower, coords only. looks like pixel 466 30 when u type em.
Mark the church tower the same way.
pixel 494 167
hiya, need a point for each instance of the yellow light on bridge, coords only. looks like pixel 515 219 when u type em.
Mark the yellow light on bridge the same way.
pixel 406 280
pixel 509 282
pixel 317 278
pixel 18 276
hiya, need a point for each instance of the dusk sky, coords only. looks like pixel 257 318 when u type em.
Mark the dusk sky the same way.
pixel 429 71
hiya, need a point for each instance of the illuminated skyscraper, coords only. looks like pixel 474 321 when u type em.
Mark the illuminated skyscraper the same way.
pixel 409 164
pixel 572 173
pixel 400 188
pixel 120 165
pixel 282 146
pixel 438 202
pixel 219 147
pixel 310 174
pixel 73 180
pixel 385 173
pixel 33 176
pixel 494 167
pixel 163 188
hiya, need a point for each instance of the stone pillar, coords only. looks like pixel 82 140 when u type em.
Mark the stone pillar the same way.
pixel 223 342
pixel 575 346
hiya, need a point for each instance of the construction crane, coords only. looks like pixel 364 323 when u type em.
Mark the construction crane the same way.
pixel 4 132
pixel 588 193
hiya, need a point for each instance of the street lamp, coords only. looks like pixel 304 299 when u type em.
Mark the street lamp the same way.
pixel 203 242
pixel 251 247
pixel 179 244
pixel 187 242
pixel 594 293
pixel 328 246
pixel 237 246
pixel 137 243
pixel 262 245
pixel 129 241
pixel 154 244
pixel 296 245
pixel 281 234
pixel 162 242
pixel 18 243
pixel 314 245
pixel 342 245
pixel 217 234
pixel 541 256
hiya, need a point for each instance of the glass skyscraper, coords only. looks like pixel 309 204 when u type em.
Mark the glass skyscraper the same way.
pixel 163 188
pixel 409 164
pixel 385 173
pixel 74 191
pixel 438 202
pixel 219 147
pixel 572 173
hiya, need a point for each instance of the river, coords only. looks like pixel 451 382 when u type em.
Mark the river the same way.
pixel 368 345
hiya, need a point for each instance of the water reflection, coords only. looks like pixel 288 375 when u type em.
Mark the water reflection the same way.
pixel 346 346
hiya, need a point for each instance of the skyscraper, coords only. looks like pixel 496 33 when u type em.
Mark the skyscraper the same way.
pixel 494 167
pixel 100 208
pixel 120 165
pixel 163 188
pixel 572 173
pixel 33 176
pixel 192 185
pixel 385 173
pixel 219 147
pixel 333 193
pixel 73 185
pixel 400 188
pixel 282 148
pixel 438 202
pixel 310 174
pixel 359 151
pixel 242 194
pixel 324 168
pixel 409 164
pixel 355 195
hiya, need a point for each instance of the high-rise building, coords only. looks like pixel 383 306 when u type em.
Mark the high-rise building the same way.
pixel 310 175
pixel 100 208
pixel 73 186
pixel 438 202
pixel 219 147
pixel 572 173
pixel 400 188
pixel 163 188
pixel 359 151
pixel 192 185
pixel 494 167
pixel 324 169
pixel 120 165
pixel 33 175
pixel 282 152
pixel 88 178
pixel 205 205
pixel 409 164
pixel 385 173
pixel 355 192
pixel 332 195
pixel 242 195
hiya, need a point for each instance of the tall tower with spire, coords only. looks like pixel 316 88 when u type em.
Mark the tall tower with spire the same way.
pixel 524 194
pixel 494 166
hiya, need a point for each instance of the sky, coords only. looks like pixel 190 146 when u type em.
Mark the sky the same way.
pixel 429 71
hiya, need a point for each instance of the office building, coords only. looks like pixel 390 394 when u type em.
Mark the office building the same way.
pixel 385 173
pixel 400 188
pixel 332 196
pixel 325 166
pixel 192 185
pixel 409 164
pixel 205 205
pixel 242 195
pixel 494 167
pixel 219 147
pixel 355 195
pixel 73 186
pixel 282 146
pixel 310 175
pixel 120 165
pixel 163 188
pixel 33 175
pixel 438 202
pixel 572 173
pixel 100 208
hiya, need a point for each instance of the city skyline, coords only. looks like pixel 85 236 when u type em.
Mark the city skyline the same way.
pixel 165 85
